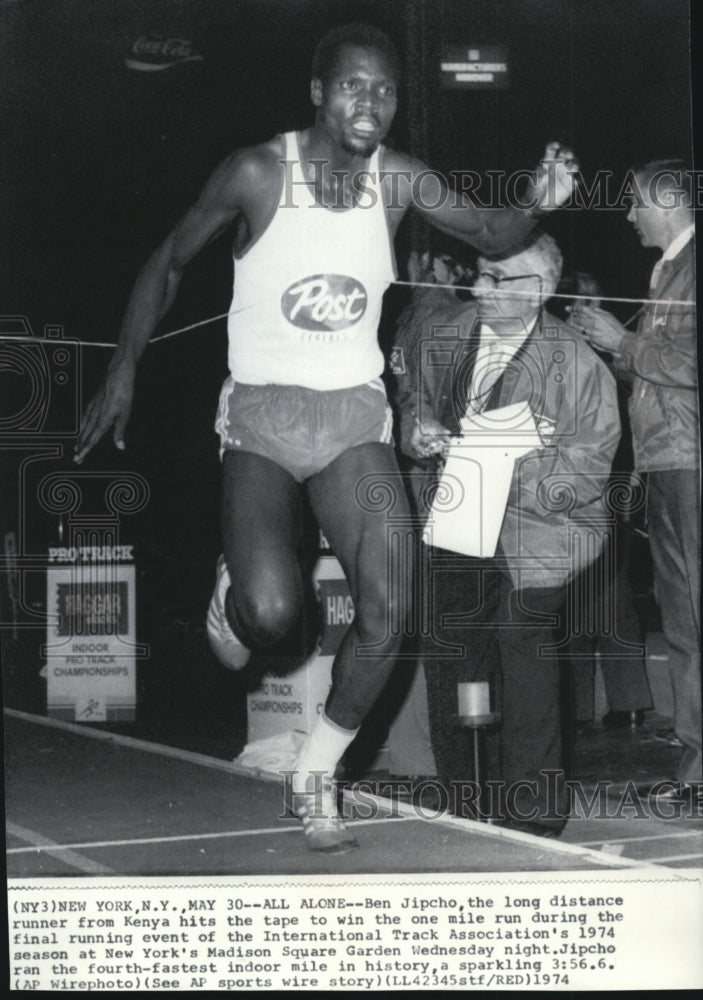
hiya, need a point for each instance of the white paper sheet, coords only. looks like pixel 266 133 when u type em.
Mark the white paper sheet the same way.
pixel 469 505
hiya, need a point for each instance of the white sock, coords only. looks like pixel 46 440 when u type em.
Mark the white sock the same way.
pixel 321 751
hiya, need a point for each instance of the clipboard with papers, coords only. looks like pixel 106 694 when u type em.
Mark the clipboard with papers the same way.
pixel 472 494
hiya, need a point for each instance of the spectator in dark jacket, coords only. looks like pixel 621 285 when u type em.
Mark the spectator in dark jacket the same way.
pixel 660 359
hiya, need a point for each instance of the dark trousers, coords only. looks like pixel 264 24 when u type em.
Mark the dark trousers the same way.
pixel 673 513
pixel 605 621
pixel 482 628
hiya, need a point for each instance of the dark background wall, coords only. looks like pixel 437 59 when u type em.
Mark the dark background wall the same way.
pixel 100 160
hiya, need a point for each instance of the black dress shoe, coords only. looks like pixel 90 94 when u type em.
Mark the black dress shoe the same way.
pixel 667 736
pixel 624 720
pixel 429 792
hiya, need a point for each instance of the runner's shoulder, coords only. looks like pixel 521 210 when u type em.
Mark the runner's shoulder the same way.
pixel 398 172
pixel 395 161
pixel 251 171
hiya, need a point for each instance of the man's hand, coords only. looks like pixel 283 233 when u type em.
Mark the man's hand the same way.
pixel 110 407
pixel 600 328
pixel 428 438
pixel 555 178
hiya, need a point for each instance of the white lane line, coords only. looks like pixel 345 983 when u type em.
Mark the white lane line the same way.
pixel 680 857
pixel 489 830
pixel 64 853
pixel 613 849
pixel 654 836
pixel 131 742
pixel 50 846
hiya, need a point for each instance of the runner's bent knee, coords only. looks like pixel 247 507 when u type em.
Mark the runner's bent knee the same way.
pixel 262 618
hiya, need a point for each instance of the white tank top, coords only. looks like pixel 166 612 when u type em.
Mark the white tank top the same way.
pixel 308 294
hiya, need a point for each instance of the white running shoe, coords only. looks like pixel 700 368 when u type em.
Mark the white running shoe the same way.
pixel 223 642
pixel 324 830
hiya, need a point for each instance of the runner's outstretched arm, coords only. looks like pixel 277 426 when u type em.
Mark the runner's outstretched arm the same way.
pixel 490 230
pixel 228 192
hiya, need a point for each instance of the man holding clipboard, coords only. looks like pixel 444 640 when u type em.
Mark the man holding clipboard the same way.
pixel 539 409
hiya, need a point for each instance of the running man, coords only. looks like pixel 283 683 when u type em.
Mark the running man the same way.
pixel 303 410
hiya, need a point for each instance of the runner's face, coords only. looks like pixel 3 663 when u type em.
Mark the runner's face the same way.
pixel 357 104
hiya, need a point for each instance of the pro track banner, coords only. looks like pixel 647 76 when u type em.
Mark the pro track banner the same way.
pixel 91 635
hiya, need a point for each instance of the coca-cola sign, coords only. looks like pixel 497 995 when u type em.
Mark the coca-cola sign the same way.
pixel 155 53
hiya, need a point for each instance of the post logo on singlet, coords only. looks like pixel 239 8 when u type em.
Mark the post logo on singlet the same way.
pixel 324 302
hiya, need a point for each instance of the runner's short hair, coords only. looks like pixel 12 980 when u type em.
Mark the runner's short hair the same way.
pixel 359 35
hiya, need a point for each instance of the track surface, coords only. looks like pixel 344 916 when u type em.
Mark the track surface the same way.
pixel 82 802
